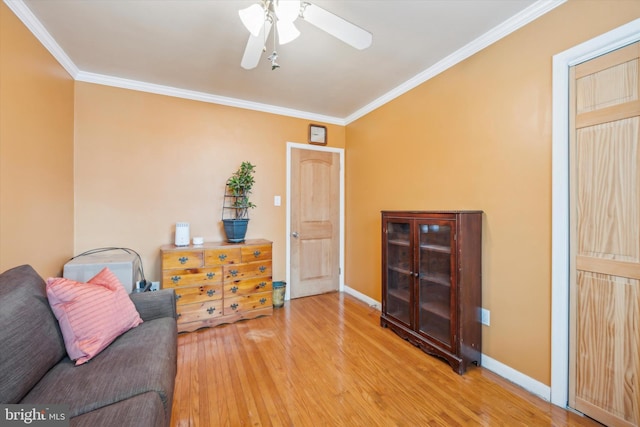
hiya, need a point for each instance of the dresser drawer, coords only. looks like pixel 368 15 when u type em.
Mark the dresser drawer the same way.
pixel 182 259
pixel 199 311
pixel 248 270
pixel 244 303
pixel 191 294
pixel 256 253
pixel 191 276
pixel 248 286
pixel 222 256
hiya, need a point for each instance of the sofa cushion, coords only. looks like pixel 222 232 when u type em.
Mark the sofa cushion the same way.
pixel 91 314
pixel 31 340
pixel 143 410
pixel 141 360
pixel 156 304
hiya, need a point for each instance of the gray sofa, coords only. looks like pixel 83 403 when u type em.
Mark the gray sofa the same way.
pixel 130 383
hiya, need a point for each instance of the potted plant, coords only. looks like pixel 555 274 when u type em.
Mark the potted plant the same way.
pixel 235 211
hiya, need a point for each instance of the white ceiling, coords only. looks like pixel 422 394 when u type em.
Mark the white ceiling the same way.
pixel 193 48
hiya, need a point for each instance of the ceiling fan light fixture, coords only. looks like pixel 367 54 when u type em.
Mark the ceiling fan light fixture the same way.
pixel 253 18
pixel 260 18
pixel 287 10
pixel 287 32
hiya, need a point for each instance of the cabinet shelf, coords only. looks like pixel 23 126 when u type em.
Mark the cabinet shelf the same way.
pixel 400 270
pixel 440 279
pixel 437 309
pixel 398 242
pixel 436 248
pixel 401 294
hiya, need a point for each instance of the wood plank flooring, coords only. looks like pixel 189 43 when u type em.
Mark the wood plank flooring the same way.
pixel 325 361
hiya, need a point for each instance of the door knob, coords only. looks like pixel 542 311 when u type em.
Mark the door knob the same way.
pixel 295 234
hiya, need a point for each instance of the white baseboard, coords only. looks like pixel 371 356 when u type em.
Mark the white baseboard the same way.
pixel 364 298
pixel 518 378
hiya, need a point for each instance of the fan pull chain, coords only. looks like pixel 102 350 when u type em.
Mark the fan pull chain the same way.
pixel 274 56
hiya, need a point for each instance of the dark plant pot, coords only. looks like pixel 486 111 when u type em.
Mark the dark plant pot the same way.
pixel 235 229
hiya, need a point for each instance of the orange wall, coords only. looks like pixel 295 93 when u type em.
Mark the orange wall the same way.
pixel 36 152
pixel 146 161
pixel 478 136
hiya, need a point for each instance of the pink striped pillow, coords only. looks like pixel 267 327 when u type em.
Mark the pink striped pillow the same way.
pixel 91 315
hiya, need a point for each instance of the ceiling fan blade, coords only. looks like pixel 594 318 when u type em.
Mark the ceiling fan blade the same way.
pixel 337 27
pixel 255 46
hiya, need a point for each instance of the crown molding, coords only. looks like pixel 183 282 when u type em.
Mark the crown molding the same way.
pixel 105 80
pixel 514 23
pixel 27 17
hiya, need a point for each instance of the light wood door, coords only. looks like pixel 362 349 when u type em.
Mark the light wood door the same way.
pixel 315 222
pixel 604 367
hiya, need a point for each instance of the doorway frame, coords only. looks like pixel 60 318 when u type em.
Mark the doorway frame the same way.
pixel 614 39
pixel 340 151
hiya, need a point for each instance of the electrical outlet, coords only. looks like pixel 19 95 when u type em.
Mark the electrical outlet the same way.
pixel 155 286
pixel 485 316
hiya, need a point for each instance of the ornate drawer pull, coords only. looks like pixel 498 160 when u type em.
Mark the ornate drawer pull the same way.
pixel 210 292
pixel 234 273
pixel 210 310
pixel 222 257
pixel 234 289
pixel 262 269
pixel 256 253
pixel 234 306
pixel 210 275
pixel 263 300
pixel 175 279
pixel 261 285
pixel 183 259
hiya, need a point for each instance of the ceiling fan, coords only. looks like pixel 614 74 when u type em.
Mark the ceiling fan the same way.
pixel 260 17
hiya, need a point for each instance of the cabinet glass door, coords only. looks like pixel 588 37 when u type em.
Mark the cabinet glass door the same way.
pixel 398 272
pixel 435 278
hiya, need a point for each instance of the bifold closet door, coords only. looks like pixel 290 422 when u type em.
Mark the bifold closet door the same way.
pixel 605 238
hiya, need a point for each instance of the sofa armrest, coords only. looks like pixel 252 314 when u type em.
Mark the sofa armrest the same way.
pixel 153 305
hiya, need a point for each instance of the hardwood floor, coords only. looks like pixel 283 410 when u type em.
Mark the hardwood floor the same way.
pixel 325 361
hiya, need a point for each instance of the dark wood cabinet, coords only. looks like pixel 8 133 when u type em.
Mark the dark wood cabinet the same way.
pixel 431 282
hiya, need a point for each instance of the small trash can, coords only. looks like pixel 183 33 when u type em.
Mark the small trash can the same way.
pixel 279 289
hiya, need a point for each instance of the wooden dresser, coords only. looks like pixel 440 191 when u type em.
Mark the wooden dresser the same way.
pixel 219 282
